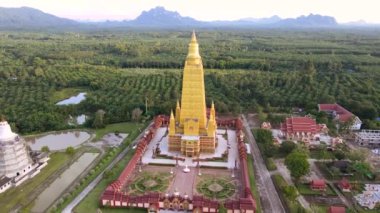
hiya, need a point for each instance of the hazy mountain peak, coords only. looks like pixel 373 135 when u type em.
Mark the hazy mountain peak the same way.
pixel 30 17
pixel 159 16
pixel 312 20
pixel 269 20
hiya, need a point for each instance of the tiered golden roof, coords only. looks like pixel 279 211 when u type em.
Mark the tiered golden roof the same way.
pixel 189 130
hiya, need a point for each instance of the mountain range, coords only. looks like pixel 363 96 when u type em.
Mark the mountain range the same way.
pixel 30 17
pixel 158 17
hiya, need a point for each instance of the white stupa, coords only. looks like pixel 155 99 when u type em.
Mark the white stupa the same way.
pixel 14 158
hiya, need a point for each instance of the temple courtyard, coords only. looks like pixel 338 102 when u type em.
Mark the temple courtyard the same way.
pixel 214 183
pixel 213 175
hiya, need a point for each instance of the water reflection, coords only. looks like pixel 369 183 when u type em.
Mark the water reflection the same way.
pixel 50 194
pixel 59 140
pixel 73 99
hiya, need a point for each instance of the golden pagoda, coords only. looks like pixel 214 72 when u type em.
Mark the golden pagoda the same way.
pixel 190 132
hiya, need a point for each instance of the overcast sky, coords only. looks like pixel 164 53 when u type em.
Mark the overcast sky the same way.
pixel 342 10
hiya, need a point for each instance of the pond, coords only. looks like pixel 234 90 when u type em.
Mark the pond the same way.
pixel 54 191
pixel 59 140
pixel 73 99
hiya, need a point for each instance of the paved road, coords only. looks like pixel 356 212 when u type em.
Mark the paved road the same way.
pixel 69 208
pixel 270 201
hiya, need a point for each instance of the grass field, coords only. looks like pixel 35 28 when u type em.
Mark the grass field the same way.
pixel 305 189
pixel 253 184
pixel 126 127
pixel 20 195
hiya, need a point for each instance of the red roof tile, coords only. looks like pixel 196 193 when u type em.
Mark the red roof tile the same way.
pixel 337 209
pixel 300 124
pixel 342 114
pixel 318 183
pixel 345 184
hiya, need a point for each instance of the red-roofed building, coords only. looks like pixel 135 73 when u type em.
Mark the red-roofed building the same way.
pixel 336 209
pixel 301 128
pixel 318 184
pixel 341 114
pixel 266 125
pixel 344 185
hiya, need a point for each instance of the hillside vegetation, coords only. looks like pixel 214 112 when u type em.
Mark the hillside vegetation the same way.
pixel 245 71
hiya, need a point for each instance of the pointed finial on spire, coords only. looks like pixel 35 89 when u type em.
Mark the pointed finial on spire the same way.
pixel 193 37
pixel 178 104
pixel 212 105
pixel 193 56
pixel 171 115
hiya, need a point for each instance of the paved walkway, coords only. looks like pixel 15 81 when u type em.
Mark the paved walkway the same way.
pixel 270 201
pixel 183 182
pixel 69 208
pixel 284 172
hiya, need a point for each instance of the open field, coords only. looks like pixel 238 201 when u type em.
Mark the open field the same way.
pixel 126 127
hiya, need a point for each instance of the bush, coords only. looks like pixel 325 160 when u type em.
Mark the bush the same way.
pixel 339 155
pixel 271 166
pixel 282 186
pixel 287 147
pixel 70 150
pixel 45 149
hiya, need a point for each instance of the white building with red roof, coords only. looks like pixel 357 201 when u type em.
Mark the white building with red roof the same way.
pixel 341 114
pixel 303 129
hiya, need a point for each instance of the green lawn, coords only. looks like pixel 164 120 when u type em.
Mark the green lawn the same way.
pixel 271 166
pixel 319 154
pixel 91 201
pixel 65 93
pixel 126 127
pixel 20 195
pixel 253 183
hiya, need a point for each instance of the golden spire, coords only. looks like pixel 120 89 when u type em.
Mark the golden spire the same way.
pixel 177 112
pixel 211 117
pixel 212 110
pixel 211 127
pixel 193 38
pixel 171 124
pixel 193 53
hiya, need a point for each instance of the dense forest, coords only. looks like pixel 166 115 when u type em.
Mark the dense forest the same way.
pixel 274 70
